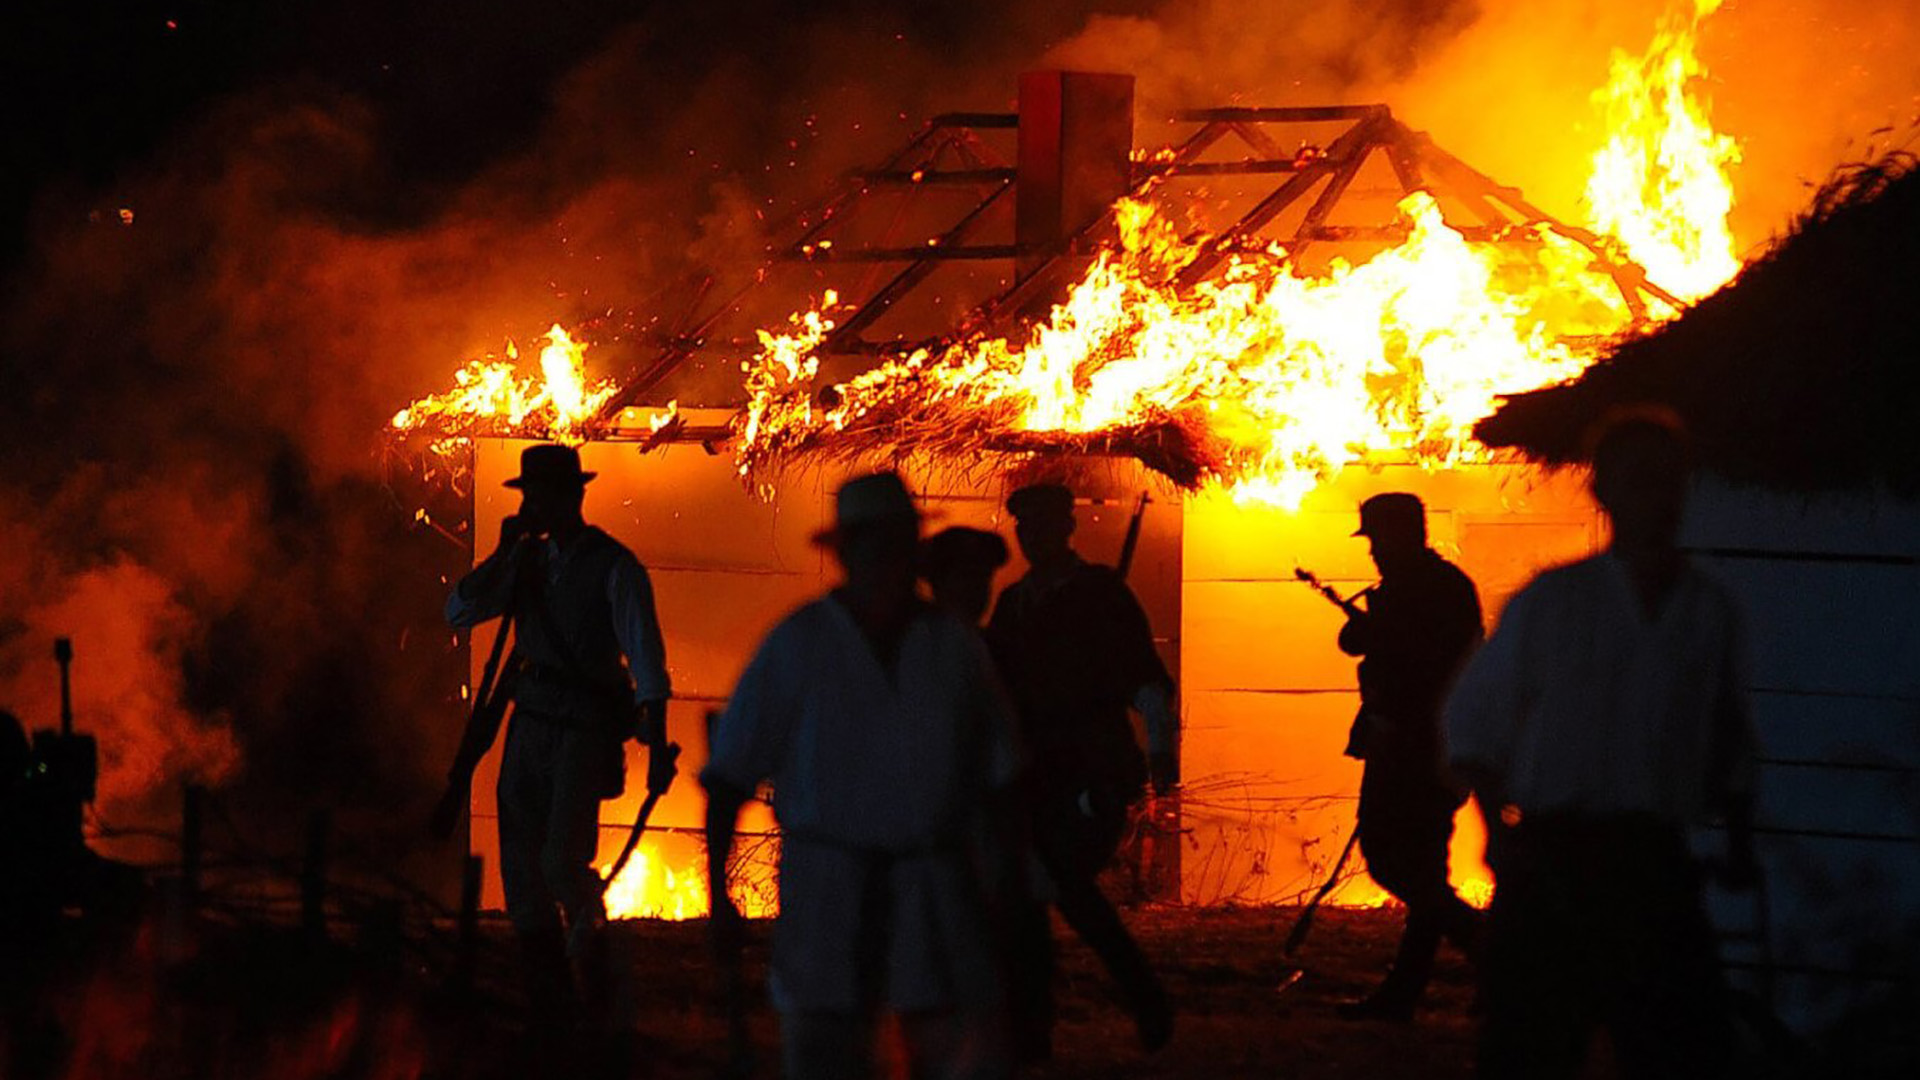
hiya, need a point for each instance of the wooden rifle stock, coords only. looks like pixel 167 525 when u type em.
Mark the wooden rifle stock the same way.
pixel 490 703
pixel 1348 604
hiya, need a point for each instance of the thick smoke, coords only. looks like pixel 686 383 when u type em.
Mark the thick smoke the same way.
pixel 199 352
pixel 1802 84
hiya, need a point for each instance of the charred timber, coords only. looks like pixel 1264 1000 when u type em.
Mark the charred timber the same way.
pixel 930 177
pixel 975 120
pixel 906 254
pixel 1294 114
pixel 1247 167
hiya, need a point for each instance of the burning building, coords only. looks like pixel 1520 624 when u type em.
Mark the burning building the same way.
pixel 1241 330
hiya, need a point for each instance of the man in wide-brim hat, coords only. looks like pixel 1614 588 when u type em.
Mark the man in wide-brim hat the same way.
pixel 591 674
pixel 879 722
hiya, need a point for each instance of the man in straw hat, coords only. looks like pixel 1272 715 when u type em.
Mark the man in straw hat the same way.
pixel 593 674
pixel 878 720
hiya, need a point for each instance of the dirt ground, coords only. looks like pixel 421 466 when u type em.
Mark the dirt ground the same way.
pixel 239 1001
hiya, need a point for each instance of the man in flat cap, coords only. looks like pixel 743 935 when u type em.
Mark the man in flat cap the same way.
pixel 592 673
pixel 892 756
pixel 1077 652
pixel 1421 623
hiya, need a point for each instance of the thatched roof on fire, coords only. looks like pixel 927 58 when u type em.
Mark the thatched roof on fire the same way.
pixel 1803 375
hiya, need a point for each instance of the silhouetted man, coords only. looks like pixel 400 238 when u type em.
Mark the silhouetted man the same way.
pixel 891 752
pixel 1076 651
pixel 1605 716
pixel 958 564
pixel 1419 626
pixel 593 675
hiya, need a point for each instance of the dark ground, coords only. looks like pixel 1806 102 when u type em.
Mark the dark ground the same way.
pixel 237 1000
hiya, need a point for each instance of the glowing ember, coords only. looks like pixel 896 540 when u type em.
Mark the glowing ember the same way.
pixel 490 396
pixel 1660 183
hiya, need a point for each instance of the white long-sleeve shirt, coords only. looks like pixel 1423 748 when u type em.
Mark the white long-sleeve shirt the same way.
pixel 874 771
pixel 626 590
pixel 1583 702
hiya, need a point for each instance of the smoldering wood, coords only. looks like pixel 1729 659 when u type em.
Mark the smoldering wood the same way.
pixel 927 178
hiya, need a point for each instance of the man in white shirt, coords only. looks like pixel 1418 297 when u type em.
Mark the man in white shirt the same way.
pixel 890 748
pixel 591 673
pixel 1605 716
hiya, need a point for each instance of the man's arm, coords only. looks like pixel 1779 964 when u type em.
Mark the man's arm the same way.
pixel 1152 690
pixel 1733 754
pixel 1356 635
pixel 636 625
pixel 723 819
pixel 1482 717
pixel 487 590
pixel 744 747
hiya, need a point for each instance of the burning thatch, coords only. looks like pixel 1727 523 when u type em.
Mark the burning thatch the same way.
pixel 1804 375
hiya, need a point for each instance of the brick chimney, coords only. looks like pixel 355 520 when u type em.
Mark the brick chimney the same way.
pixel 1075 157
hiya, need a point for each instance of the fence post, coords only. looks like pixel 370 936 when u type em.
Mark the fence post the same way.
pixel 313 875
pixel 469 933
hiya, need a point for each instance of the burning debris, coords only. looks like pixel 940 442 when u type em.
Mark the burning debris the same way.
pixel 491 396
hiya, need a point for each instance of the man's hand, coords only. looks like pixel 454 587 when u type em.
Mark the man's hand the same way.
pixel 662 767
pixel 1163 769
pixel 446 812
pixel 513 529
pixel 650 722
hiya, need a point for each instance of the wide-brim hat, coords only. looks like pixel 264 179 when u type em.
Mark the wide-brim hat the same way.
pixel 865 502
pixel 1395 513
pixel 550 465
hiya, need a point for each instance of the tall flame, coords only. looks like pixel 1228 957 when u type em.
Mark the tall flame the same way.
pixel 1660 183
pixel 491 397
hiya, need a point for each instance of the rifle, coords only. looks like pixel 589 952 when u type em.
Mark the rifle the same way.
pixel 1304 924
pixel 490 703
pixel 1132 542
pixel 672 750
pixel 1350 604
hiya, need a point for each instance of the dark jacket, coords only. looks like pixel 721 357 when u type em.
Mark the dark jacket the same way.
pixel 1073 653
pixel 1421 625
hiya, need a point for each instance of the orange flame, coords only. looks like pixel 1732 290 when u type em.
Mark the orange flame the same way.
pixel 490 396
pixel 650 887
pixel 1660 184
